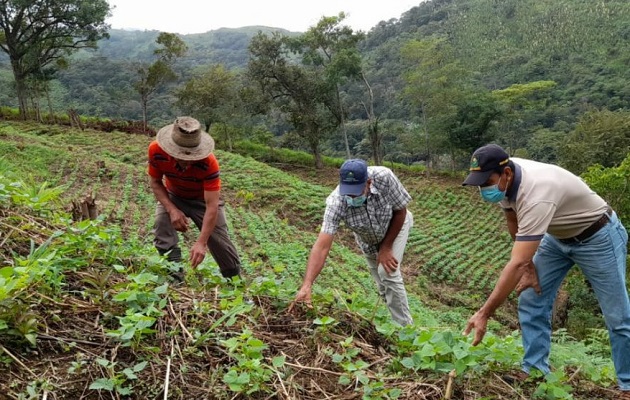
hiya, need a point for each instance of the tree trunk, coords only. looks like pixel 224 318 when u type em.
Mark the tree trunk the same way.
pixel 425 128
pixel 144 101
pixel 36 104
pixel 75 119
pixel 342 123
pixel 375 136
pixel 228 136
pixel 319 163
pixel 375 139
pixel 20 88
pixel 50 107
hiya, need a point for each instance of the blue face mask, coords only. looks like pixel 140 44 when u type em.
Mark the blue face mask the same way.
pixel 355 201
pixel 492 193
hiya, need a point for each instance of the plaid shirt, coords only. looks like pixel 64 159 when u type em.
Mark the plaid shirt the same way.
pixel 370 221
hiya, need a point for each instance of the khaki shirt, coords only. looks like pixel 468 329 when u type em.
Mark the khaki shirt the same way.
pixel 550 199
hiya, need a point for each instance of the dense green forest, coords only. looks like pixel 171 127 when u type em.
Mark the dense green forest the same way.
pixel 427 87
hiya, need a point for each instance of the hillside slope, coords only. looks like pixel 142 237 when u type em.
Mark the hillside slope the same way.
pixel 86 310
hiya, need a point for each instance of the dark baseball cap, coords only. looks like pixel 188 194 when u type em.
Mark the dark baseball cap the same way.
pixel 353 175
pixel 485 160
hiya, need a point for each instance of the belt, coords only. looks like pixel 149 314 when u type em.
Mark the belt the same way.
pixel 591 230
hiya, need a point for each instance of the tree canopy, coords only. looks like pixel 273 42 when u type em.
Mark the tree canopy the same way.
pixel 443 78
pixel 35 33
pixel 153 76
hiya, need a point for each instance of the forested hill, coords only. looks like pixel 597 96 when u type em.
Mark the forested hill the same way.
pixel 580 44
pixel 446 76
pixel 227 46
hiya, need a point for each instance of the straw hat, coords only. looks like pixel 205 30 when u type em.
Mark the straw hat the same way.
pixel 185 140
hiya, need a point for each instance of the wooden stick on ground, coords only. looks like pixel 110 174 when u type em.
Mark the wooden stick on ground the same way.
pixel 313 369
pixel 284 389
pixel 17 360
pixel 168 371
pixel 449 385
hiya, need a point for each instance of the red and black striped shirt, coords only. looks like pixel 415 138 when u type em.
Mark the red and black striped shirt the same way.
pixel 200 176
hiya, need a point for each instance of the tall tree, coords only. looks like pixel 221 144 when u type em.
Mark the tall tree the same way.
pixel 217 96
pixel 333 47
pixel 153 76
pixel 35 33
pixel 600 137
pixel 303 94
pixel 517 101
pixel 211 95
pixel 434 86
pixel 374 133
pixel 470 127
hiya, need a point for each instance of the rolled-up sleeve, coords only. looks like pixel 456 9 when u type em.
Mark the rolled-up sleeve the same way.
pixel 397 194
pixel 333 215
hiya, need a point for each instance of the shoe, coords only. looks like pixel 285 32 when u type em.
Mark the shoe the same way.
pixel 515 377
pixel 177 277
pixel 624 395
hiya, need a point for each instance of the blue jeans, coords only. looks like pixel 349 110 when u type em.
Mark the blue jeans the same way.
pixel 602 259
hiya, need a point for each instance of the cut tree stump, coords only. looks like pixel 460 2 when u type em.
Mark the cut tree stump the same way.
pixel 75 119
pixel 84 209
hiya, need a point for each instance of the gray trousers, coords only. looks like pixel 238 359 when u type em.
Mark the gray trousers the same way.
pixel 391 286
pixel 220 246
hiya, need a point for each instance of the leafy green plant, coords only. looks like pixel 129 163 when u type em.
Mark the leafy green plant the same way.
pixel 324 324
pixel 554 387
pixel 20 322
pixel 443 351
pixel 250 373
pixel 245 196
pixel 141 291
pixel 133 326
pixel 97 282
pixel 35 389
pixel 116 380
pixel 347 360
pixel 144 301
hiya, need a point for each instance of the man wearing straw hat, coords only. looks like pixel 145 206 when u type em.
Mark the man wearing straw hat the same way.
pixel 184 177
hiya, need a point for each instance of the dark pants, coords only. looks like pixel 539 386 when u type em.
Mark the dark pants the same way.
pixel 221 247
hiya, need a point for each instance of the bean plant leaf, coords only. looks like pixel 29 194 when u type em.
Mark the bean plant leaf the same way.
pixel 279 361
pixel 102 384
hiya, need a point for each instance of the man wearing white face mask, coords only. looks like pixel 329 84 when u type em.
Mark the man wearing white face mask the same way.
pixel 373 204
pixel 556 221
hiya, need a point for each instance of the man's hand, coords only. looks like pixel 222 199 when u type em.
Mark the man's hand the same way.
pixel 386 258
pixel 197 254
pixel 528 280
pixel 478 322
pixel 178 220
pixel 303 296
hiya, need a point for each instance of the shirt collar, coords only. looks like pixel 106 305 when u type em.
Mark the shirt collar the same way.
pixel 513 191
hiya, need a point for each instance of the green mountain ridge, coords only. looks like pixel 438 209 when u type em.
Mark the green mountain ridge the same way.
pixel 579 45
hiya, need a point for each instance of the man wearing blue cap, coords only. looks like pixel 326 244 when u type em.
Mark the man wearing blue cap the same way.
pixel 373 204
pixel 556 221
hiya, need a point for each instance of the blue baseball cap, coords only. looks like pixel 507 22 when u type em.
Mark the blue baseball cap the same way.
pixel 353 175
